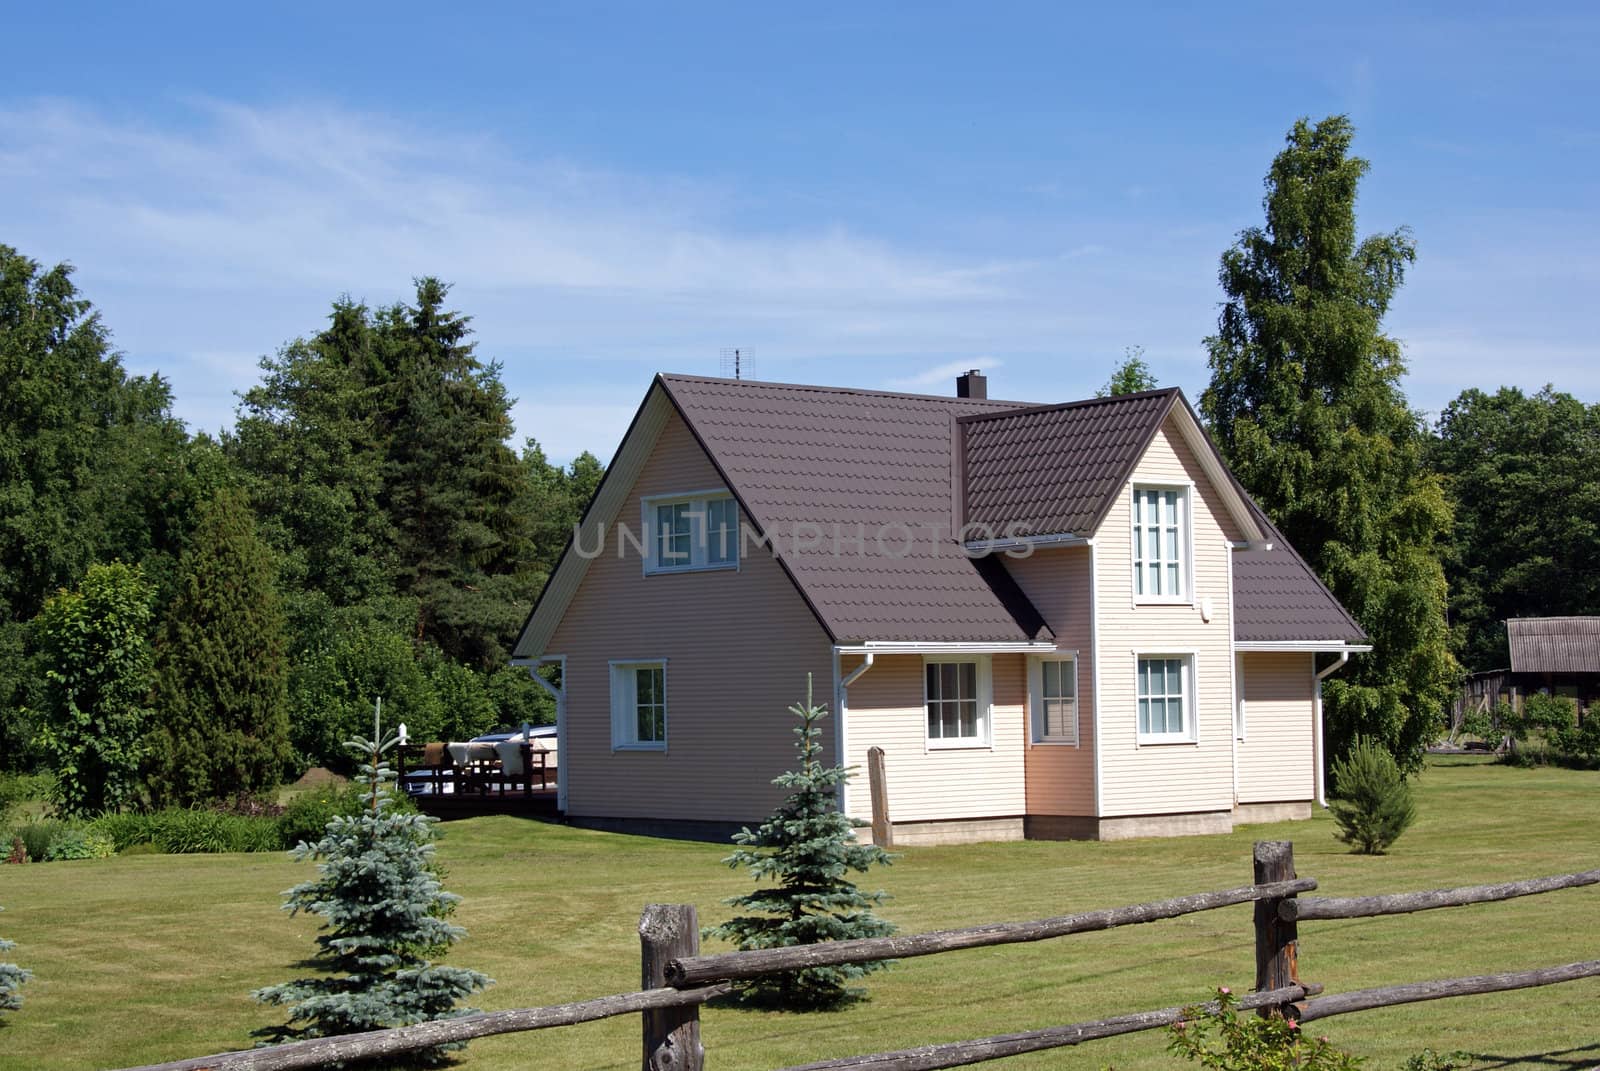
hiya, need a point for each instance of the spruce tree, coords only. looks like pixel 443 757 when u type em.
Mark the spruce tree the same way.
pixel 222 723
pixel 1305 403
pixel 807 847
pixel 378 890
pixel 11 979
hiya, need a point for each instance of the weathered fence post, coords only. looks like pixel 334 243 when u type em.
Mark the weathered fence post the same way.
pixel 1276 935
pixel 882 827
pixel 671 1035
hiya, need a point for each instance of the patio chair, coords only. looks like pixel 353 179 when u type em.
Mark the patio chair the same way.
pixel 514 764
pixel 435 759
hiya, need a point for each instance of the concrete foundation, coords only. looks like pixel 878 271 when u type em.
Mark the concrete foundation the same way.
pixel 1166 825
pixel 1292 811
pixel 963 831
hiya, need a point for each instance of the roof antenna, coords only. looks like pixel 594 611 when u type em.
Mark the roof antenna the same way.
pixel 735 362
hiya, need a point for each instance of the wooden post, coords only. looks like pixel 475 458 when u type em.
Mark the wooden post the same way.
pixel 1276 932
pixel 882 827
pixel 671 1035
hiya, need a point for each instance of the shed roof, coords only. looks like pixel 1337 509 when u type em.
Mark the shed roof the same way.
pixel 1554 644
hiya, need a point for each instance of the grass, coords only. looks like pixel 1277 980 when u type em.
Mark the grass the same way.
pixel 142 959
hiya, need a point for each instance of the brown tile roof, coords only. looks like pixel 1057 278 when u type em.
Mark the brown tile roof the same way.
pixel 1277 598
pixel 1054 470
pixel 843 461
pixel 849 462
pixel 1554 644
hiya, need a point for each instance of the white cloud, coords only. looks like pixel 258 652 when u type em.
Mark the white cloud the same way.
pixel 944 374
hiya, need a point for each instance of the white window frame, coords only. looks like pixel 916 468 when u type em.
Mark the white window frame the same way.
pixel 699 503
pixel 1190 732
pixel 1036 665
pixel 1185 540
pixel 625 708
pixel 983 681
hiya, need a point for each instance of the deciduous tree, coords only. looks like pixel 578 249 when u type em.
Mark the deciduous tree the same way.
pixel 97 657
pixel 1523 473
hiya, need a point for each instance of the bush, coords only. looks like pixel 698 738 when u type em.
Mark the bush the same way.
pixel 307 816
pixel 1373 804
pixel 37 836
pixel 1249 1042
pixel 1582 742
pixel 124 830
pixel 183 831
pixel 80 844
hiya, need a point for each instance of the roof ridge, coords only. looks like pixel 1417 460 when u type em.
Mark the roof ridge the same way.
pixel 823 388
pixel 1081 403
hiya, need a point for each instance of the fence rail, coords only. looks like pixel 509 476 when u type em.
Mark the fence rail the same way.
pixel 676 980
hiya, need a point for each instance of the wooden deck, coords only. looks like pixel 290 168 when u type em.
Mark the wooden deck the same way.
pixel 449 805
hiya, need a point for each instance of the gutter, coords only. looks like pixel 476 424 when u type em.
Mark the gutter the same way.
pixel 979 547
pixel 872 647
pixel 841 703
pixel 560 696
pixel 1319 675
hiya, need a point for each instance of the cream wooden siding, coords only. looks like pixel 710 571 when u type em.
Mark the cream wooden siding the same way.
pixel 885 709
pixel 1165 778
pixel 738 645
pixel 1058 582
pixel 1276 757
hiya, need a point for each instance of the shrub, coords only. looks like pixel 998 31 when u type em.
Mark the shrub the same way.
pixel 124 830
pixel 18 853
pixel 38 835
pixel 80 844
pixel 807 846
pixel 1217 1037
pixel 1373 805
pixel 1582 742
pixel 185 831
pixel 307 816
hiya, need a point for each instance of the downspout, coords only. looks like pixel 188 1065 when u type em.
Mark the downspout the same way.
pixel 842 704
pixel 560 696
pixel 1316 739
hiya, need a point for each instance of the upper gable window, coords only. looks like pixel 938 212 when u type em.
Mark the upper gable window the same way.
pixel 1160 544
pixel 689 532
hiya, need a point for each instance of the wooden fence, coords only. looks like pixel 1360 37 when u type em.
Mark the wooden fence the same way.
pixel 676 979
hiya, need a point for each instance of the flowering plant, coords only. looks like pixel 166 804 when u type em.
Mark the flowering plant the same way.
pixel 1220 1039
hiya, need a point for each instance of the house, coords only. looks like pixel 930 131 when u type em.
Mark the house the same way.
pixel 1055 620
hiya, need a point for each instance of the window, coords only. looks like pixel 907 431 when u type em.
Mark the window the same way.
pixel 688 532
pixel 639 706
pixel 1165 698
pixel 957 695
pixel 1159 565
pixel 1053 698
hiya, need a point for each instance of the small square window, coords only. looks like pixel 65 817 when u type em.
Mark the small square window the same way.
pixel 691 532
pixel 956 693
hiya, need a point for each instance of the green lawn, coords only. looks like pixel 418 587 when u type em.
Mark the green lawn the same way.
pixel 149 958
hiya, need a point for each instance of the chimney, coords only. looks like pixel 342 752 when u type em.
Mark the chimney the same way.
pixel 973 384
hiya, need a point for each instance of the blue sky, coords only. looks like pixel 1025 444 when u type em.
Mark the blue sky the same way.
pixel 868 194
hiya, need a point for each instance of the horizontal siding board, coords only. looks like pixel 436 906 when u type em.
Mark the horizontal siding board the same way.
pixel 885 709
pixel 1165 778
pixel 738 645
pixel 1058 582
pixel 1276 756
